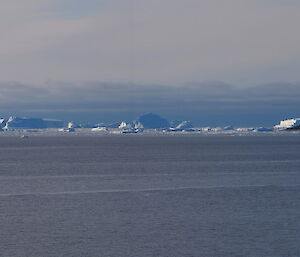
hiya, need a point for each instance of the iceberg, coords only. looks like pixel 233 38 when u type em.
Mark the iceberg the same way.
pixel 217 129
pixel 99 129
pixel 125 125
pixel 53 123
pixel 244 129
pixel 70 127
pixel 262 129
pixel 31 123
pixel 288 124
pixel 228 128
pixel 175 123
pixel 184 125
pixel 2 123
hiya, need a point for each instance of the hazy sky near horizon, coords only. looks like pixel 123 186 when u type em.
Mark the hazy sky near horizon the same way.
pixel 242 42
pixel 205 104
pixel 214 62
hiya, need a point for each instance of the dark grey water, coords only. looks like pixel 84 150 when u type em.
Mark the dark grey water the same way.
pixel 142 196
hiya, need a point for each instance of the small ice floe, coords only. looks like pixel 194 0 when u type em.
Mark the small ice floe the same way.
pixel 23 136
pixel 244 129
pixel 217 129
pixel 129 131
pixel 66 130
pixel 99 129
pixel 206 129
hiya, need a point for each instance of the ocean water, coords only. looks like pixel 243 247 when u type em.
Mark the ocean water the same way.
pixel 150 196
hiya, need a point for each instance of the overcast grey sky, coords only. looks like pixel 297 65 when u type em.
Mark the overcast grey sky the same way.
pixel 243 42
pixel 51 49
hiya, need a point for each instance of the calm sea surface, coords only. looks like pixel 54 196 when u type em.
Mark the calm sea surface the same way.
pixel 150 196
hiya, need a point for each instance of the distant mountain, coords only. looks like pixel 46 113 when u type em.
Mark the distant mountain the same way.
pixel 152 121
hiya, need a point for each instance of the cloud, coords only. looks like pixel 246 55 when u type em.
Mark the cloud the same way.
pixel 206 103
pixel 151 53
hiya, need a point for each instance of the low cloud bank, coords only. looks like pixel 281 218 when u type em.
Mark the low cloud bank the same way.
pixel 207 103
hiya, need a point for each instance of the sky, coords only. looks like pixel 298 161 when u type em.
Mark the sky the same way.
pixel 214 62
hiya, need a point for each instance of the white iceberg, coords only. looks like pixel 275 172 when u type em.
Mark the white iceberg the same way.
pixel 288 124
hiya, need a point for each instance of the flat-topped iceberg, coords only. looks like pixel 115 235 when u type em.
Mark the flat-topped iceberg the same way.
pixel 288 124
pixel 31 123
